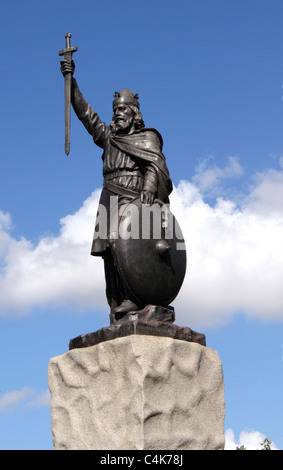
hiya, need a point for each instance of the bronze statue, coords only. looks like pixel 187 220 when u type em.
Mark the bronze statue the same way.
pixel 137 272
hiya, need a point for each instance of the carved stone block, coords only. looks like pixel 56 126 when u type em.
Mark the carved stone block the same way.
pixel 138 392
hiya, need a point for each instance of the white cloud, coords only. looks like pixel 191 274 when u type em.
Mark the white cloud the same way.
pixel 27 397
pixel 208 177
pixel 267 194
pixel 235 257
pixel 251 440
pixel 58 270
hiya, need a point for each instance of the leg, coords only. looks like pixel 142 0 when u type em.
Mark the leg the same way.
pixel 114 286
pixel 118 297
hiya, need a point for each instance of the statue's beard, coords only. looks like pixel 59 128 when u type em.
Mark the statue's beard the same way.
pixel 123 126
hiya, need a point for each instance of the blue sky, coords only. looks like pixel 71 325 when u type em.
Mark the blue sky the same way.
pixel 209 75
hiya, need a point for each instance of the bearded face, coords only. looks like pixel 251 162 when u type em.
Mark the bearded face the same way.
pixel 123 118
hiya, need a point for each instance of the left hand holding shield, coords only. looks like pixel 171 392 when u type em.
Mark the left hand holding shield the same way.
pixel 147 198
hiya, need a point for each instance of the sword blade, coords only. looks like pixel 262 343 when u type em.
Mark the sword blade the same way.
pixel 68 85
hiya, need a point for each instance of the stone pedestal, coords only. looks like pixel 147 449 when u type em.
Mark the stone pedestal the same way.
pixel 138 392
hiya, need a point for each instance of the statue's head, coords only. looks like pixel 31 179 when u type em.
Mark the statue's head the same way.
pixel 126 112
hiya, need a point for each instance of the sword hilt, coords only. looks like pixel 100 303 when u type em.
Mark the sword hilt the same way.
pixel 68 42
pixel 68 51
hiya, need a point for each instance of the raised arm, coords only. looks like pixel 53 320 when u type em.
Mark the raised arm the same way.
pixel 89 118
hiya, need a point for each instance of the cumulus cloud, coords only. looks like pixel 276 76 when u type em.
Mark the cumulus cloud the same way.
pixel 58 270
pixel 234 254
pixel 266 195
pixel 251 440
pixel 209 177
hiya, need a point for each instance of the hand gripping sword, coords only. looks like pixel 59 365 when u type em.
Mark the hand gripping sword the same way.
pixel 67 53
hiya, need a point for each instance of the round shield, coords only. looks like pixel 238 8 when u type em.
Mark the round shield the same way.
pixel 150 252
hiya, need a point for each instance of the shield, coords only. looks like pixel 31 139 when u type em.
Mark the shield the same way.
pixel 150 252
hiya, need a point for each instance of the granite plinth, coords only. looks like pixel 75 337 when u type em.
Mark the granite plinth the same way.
pixel 138 392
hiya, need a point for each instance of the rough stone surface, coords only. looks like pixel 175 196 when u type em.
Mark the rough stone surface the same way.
pixel 138 392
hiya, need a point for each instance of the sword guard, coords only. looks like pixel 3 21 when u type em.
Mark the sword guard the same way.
pixel 70 49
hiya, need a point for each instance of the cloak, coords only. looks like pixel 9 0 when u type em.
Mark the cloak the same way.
pixel 146 144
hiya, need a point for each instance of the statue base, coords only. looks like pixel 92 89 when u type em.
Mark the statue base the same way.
pixel 137 393
pixel 153 320
pixel 148 313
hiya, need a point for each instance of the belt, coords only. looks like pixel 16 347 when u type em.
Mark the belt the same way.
pixel 116 174
pixel 119 190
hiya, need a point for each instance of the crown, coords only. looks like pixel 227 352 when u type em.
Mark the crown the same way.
pixel 126 97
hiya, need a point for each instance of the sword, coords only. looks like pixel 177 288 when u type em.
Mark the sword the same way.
pixel 67 53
